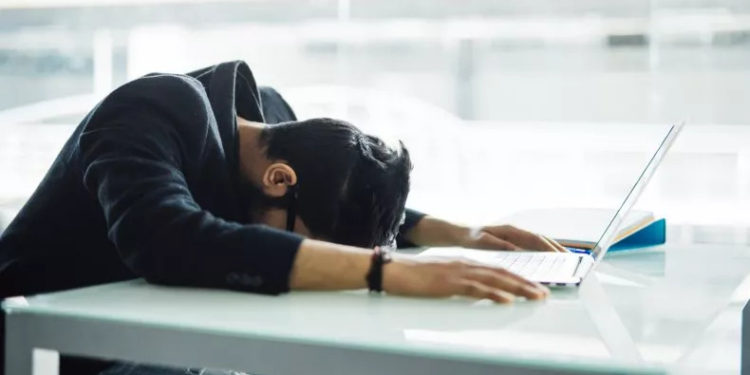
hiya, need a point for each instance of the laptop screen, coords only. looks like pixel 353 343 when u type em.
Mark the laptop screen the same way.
pixel 610 231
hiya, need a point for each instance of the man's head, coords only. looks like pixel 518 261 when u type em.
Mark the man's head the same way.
pixel 350 187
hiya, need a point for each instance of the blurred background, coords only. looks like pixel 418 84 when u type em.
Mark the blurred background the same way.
pixel 504 106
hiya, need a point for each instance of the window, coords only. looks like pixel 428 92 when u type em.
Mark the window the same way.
pixel 496 100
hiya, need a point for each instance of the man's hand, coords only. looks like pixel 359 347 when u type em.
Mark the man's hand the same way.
pixel 431 231
pixel 411 276
pixel 508 237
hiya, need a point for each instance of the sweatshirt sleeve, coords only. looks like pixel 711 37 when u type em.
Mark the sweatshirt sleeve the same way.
pixel 412 218
pixel 137 150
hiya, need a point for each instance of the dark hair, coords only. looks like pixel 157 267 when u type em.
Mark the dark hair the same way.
pixel 351 187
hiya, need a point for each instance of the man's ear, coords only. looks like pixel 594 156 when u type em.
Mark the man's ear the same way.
pixel 277 178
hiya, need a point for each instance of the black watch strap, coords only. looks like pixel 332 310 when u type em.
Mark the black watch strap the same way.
pixel 374 277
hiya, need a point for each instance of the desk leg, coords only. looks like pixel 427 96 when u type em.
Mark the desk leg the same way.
pixel 19 353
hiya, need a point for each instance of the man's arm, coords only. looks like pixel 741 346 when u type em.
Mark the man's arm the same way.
pixel 326 266
pixel 411 219
pixel 431 231
pixel 135 154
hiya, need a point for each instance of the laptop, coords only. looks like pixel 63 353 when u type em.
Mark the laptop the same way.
pixel 566 269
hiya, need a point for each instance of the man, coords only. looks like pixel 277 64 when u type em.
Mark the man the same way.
pixel 177 179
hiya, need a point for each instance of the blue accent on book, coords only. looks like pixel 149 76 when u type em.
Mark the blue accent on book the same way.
pixel 650 235
pixel 578 251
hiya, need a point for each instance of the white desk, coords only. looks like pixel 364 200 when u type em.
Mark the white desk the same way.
pixel 666 309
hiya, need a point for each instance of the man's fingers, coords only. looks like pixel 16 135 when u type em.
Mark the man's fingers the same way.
pixel 550 245
pixel 539 242
pixel 491 242
pixel 520 239
pixel 559 247
pixel 506 273
pixel 475 265
pixel 475 289
pixel 509 282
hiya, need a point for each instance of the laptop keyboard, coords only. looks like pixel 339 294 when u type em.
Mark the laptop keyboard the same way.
pixel 538 266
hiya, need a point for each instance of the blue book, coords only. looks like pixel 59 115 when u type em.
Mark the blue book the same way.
pixel 654 233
